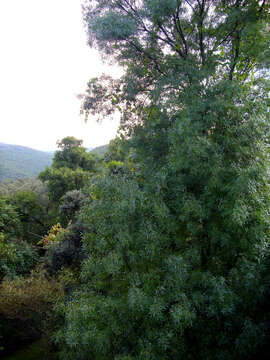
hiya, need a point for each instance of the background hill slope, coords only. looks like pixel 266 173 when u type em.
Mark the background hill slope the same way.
pixel 22 162
pixel 100 150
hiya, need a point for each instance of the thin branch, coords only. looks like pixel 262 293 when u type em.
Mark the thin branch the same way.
pixel 236 45
pixel 178 27
pixel 169 40
pixel 262 6
pixel 236 55
pixel 188 2
pixel 226 37
pixel 149 56
pixel 201 6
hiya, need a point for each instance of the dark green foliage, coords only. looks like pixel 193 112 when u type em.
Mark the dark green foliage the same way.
pixel 116 151
pixel 149 277
pixel 16 258
pixel 22 162
pixel 9 219
pixel 69 143
pixel 35 350
pixel 72 155
pixel 29 199
pixel 177 244
pixel 68 252
pixel 33 215
pixel 61 180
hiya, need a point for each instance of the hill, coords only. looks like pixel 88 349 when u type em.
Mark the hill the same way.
pixel 18 162
pixel 100 150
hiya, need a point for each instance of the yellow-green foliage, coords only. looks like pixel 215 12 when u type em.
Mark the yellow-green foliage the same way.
pixel 55 235
pixel 29 297
pixel 7 250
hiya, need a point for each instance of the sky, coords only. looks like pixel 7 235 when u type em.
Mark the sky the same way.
pixel 45 63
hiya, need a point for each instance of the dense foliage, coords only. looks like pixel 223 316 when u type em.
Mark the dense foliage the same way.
pixel 70 168
pixel 34 247
pixel 160 249
pixel 177 243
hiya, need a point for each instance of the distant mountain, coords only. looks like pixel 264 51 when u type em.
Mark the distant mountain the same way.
pixel 22 162
pixel 100 150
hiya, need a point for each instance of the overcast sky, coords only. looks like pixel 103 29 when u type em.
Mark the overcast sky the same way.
pixel 44 64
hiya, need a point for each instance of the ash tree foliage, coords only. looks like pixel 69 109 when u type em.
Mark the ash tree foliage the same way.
pixel 178 245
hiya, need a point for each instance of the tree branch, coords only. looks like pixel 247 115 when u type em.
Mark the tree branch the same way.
pixel 149 56
pixel 201 18
pixel 178 27
pixel 236 54
pixel 189 4
pixel 169 40
pixel 262 6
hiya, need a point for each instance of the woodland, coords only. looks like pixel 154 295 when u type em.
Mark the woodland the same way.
pixel 160 248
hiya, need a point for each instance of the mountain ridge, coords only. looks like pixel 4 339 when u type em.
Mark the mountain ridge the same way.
pixel 17 161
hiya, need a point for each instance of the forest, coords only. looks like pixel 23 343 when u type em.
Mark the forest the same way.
pixel 158 247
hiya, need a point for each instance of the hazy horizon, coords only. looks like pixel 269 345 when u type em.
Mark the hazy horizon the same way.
pixel 45 63
pixel 49 150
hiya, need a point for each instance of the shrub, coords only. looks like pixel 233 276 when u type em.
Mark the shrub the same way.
pixel 27 307
pixel 70 204
pixel 54 236
pixel 29 297
pixel 67 252
pixel 16 258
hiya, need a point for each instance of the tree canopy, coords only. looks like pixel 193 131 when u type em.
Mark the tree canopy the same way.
pixel 174 46
pixel 177 243
pixel 70 168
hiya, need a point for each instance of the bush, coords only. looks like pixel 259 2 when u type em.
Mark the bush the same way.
pixel 67 252
pixel 27 307
pixel 16 258
pixel 29 297
pixel 54 236
pixel 70 204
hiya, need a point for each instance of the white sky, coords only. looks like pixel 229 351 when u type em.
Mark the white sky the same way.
pixel 44 63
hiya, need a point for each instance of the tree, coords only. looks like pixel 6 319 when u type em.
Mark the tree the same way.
pixel 176 249
pixel 116 150
pixel 72 155
pixel 33 216
pixel 173 45
pixel 61 180
pixel 69 142
pixel 70 168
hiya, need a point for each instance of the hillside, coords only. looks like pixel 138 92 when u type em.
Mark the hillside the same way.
pixel 100 150
pixel 22 162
